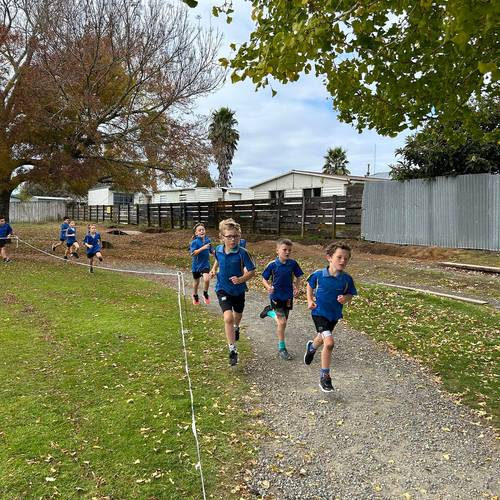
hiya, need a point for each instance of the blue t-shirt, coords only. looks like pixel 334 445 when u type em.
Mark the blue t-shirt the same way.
pixel 243 243
pixel 64 228
pixel 71 235
pixel 232 264
pixel 326 290
pixel 201 260
pixel 5 230
pixel 95 241
pixel 282 274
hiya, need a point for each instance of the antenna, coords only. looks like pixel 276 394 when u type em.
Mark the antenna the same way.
pixel 368 171
pixel 374 158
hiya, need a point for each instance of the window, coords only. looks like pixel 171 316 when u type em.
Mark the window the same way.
pixel 277 194
pixel 312 193
pixel 123 199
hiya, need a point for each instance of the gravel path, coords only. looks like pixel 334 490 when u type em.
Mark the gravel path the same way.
pixel 387 431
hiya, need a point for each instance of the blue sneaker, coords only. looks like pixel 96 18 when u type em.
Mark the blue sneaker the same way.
pixel 309 355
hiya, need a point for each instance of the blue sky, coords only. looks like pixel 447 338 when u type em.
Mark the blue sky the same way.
pixel 291 130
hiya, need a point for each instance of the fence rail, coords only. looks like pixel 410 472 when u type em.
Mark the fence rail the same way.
pixel 334 216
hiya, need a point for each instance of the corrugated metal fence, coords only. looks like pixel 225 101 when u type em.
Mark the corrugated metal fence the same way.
pixel 37 211
pixel 454 212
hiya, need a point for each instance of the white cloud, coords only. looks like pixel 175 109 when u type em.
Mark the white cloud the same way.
pixel 292 130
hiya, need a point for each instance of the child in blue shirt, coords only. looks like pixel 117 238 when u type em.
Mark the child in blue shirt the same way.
pixel 328 290
pixel 62 233
pixel 93 243
pixel 6 233
pixel 234 267
pixel 281 279
pixel 200 249
pixel 72 245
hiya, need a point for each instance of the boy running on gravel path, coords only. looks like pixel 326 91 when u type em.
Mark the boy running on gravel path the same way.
pixel 328 290
pixel 281 279
pixel 235 267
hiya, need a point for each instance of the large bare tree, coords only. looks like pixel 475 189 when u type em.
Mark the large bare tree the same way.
pixel 90 88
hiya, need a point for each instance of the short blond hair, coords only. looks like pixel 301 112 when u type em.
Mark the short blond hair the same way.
pixel 226 224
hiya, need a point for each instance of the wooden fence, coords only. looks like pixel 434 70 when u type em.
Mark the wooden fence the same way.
pixel 333 216
pixel 37 211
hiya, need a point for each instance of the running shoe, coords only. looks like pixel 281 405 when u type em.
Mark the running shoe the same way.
pixel 196 299
pixel 284 354
pixel 236 332
pixel 266 310
pixel 7 260
pixel 325 383
pixel 206 298
pixel 309 355
pixel 91 269
pixel 233 358
pixel 75 255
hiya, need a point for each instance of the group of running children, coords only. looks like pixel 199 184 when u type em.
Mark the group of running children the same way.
pixel 328 289
pixel 67 237
pixel 92 242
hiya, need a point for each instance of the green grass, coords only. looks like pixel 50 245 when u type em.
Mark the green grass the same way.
pixel 95 401
pixel 459 342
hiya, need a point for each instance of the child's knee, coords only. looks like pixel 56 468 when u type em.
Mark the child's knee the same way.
pixel 281 320
pixel 328 343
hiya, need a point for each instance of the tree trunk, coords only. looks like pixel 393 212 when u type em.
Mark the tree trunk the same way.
pixel 5 203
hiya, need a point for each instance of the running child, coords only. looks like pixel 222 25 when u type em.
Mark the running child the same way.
pixel 234 266
pixel 6 233
pixel 328 290
pixel 200 249
pixel 281 278
pixel 62 233
pixel 93 244
pixel 72 245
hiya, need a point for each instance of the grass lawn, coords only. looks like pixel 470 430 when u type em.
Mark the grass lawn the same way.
pixel 460 342
pixel 94 396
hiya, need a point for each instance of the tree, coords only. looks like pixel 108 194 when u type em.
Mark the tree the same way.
pixel 224 138
pixel 336 162
pixel 428 153
pixel 388 65
pixel 94 88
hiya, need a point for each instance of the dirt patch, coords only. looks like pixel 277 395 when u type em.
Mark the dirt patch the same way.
pixel 10 299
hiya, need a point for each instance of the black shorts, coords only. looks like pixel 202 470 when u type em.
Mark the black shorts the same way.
pixel 229 302
pixel 282 307
pixel 199 274
pixel 69 245
pixel 322 324
pixel 4 242
pixel 91 255
pixel 62 239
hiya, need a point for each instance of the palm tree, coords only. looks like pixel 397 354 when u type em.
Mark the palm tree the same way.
pixel 224 138
pixel 336 162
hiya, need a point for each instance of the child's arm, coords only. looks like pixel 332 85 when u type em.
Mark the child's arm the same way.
pixel 198 250
pixel 214 269
pixel 311 304
pixel 296 286
pixel 268 286
pixel 238 280
pixel 344 299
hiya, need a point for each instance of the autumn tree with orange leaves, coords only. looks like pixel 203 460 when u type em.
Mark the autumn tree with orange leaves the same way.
pixel 99 88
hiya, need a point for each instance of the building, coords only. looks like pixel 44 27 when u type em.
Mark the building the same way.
pixel 103 194
pixel 298 183
pixel 201 194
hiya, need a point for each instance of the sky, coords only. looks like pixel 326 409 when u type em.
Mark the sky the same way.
pixel 293 129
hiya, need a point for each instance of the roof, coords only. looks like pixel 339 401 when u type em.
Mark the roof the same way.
pixel 347 178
